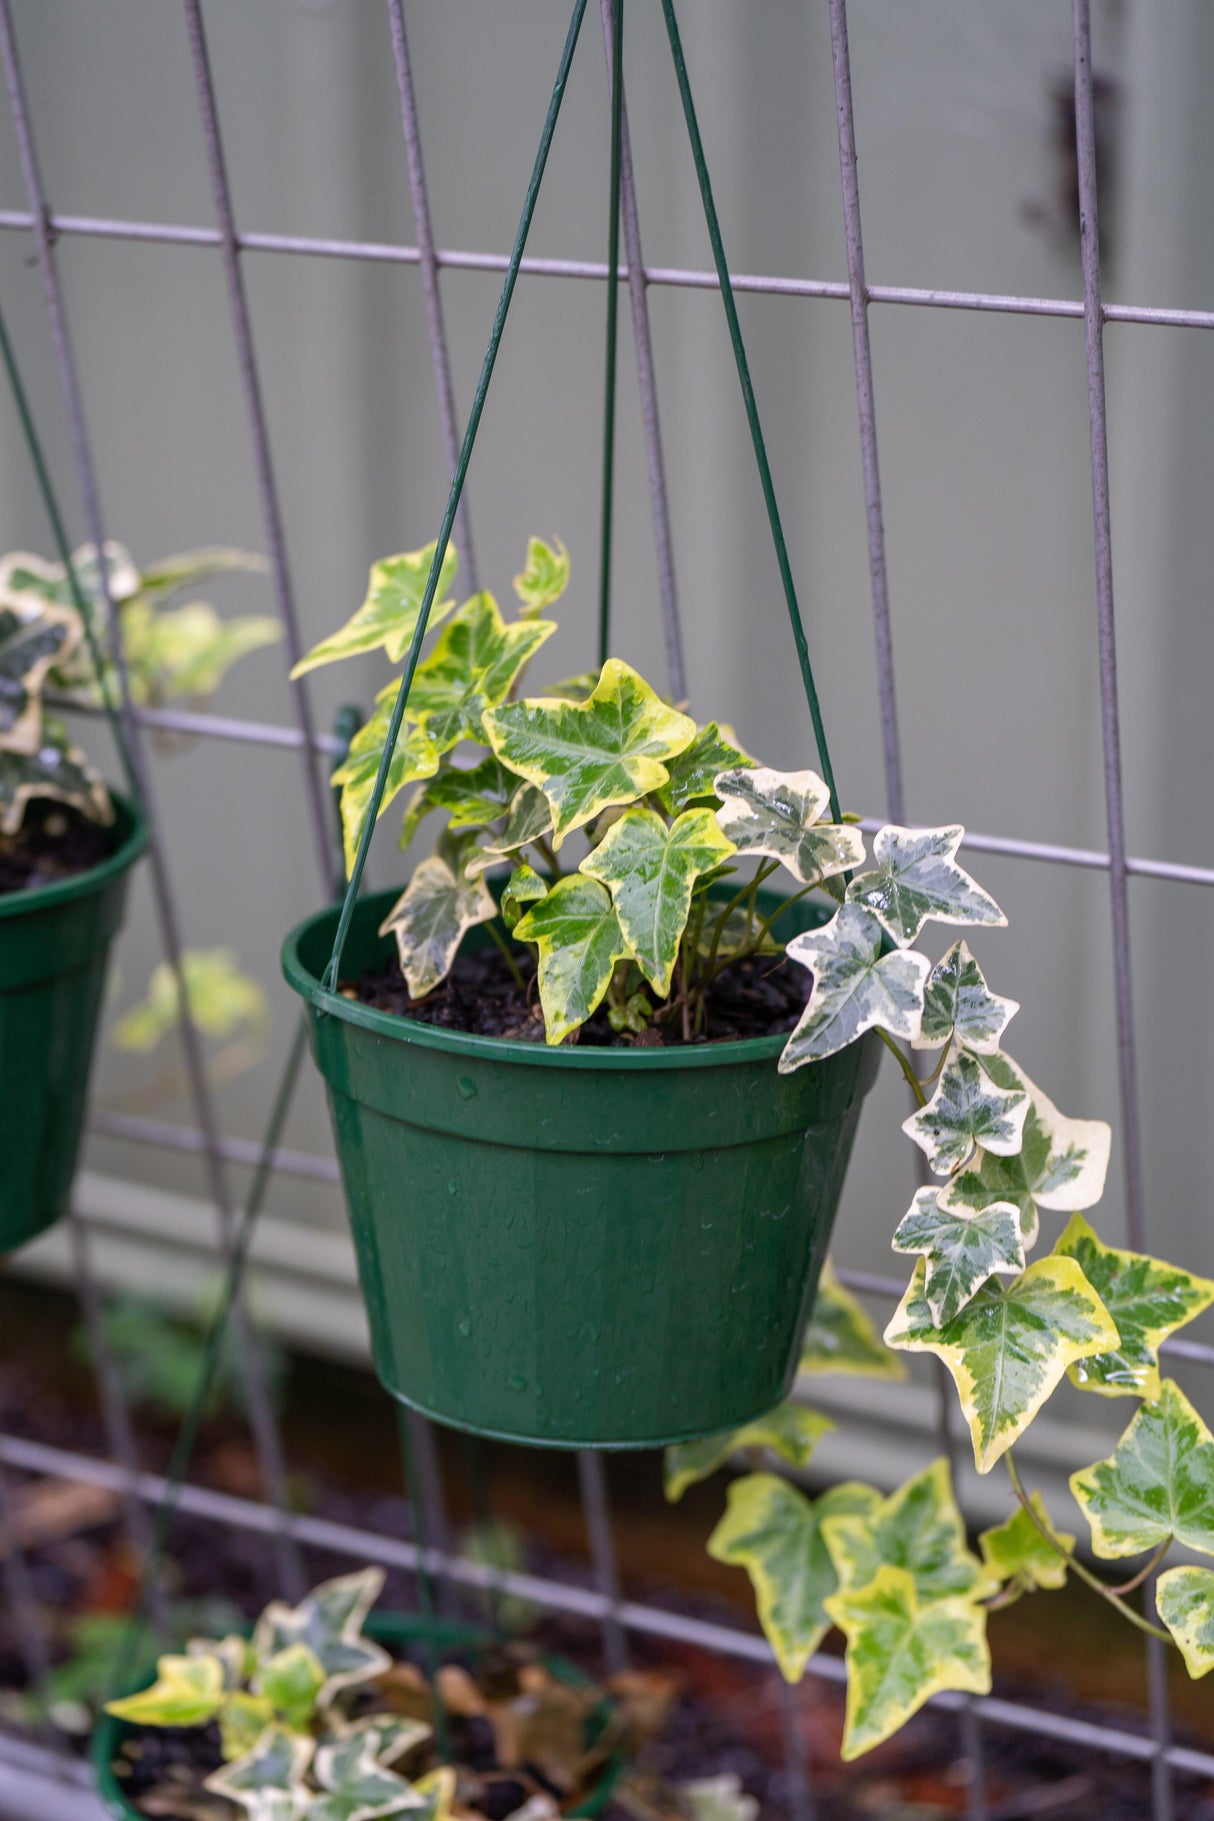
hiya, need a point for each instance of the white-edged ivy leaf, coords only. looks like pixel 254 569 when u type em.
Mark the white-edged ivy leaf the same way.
pixel 431 918
pixel 524 886
pixel 416 755
pixel 329 1621
pixel 473 666
pixel 58 772
pixel 388 617
pixel 1147 1299
pixel 292 1680
pixel 1009 1346
pixel 918 1528
pixel 386 1735
pixel 901 1652
pixel 35 637
pixel 588 755
pixel 650 870
pixel 22 573
pixel 839 1337
pixel 545 577
pixel 961 1251
pixel 1158 1482
pixel 917 880
pixel 958 1003
pixel 856 986
pixel 719 1799
pixel 275 1767
pixel 580 940
pixel 773 1531
pixel 355 1786
pixel 777 814
pixel 968 1110
pixel 790 1430
pixel 1184 1599
pixel 188 1691
pixel 1017 1551
pixel 472 794
pixel 694 772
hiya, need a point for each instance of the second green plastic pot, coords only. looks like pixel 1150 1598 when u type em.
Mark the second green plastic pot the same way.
pixel 577 1247
pixel 54 947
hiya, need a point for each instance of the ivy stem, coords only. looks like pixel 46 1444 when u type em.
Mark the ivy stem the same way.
pixel 511 963
pixel 545 848
pixel 1124 1587
pixel 904 1063
pixel 764 872
pixel 1112 1594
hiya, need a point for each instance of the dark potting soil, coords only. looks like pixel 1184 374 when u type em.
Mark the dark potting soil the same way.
pixel 752 998
pixel 54 842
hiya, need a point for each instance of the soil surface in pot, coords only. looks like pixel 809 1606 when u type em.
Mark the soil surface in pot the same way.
pixel 54 842
pixel 757 997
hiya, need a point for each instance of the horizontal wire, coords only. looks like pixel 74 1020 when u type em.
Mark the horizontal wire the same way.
pixel 165 1135
pixel 207 726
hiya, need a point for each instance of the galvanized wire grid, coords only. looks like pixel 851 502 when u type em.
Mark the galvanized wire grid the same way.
pixel 141 1491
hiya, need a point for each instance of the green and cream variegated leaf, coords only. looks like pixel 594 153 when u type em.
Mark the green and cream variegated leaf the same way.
pixel 777 814
pixel 738 935
pixel 650 870
pixel 917 880
pixel 473 666
pixel 918 1528
pixel 472 795
pixel 431 918
pixel 24 574
pixel 524 886
pixel 961 1251
pixel 967 1110
pixel 580 940
pixel 292 1680
pixel 1157 1484
pixel 856 987
pixel 1017 1551
pixel 719 1799
pixel 388 617
pixel 694 772
pixel 35 637
pixel 1009 1346
pixel 839 1337
pixel 224 1002
pixel 790 1430
pixel 385 1735
pixel 901 1652
pixel 416 755
pixel 276 1766
pixel 528 819
pixel 56 772
pixel 329 1621
pixel 188 1691
pixel 958 1003
pixel 545 577
pixel 585 756
pixel 242 1720
pixel 1184 1599
pixel 168 575
pixel 773 1531
pixel 356 1787
pixel 1147 1299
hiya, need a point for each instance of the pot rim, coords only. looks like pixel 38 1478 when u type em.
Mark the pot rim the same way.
pixel 30 902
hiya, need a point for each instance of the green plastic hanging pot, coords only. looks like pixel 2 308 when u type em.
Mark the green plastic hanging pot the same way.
pixel 577 1247
pixel 54 947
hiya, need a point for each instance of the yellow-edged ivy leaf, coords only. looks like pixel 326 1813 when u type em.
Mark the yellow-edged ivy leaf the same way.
pixel 168 575
pixel 438 1787
pixel 35 637
pixel 292 1680
pixel 524 886
pixel 917 880
pixel 576 688
pixel 960 1250
pixel 588 755
pixel 966 1111
pixel 473 666
pixel 329 1621
pixel 778 814
pixel 775 1532
pixel 918 1528
pixel 958 1003
pixel 416 755
pixel 242 1720
pixel 1009 1346
pixel 651 870
pixel 388 617
pixel 223 1001
pixel 431 918
pixel 1147 1299
pixel 187 651
pixel 901 1652
pixel 528 819
pixel 472 794
pixel 857 986
pixel 790 1430
pixel 580 940
pixel 274 1768
pixel 57 772
pixel 694 772
pixel 1158 1483
pixel 1017 1551
pixel 1184 1599
pixel 188 1691
pixel 839 1337
pixel 545 577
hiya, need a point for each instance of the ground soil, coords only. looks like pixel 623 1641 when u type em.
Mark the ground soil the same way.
pixel 752 998
pixel 54 842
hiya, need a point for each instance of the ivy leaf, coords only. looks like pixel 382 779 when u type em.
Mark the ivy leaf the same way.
pixel 1017 1551
pixel 329 1621
pixel 58 772
pixel 587 755
pixel 773 1531
pixel 416 755
pixel 292 1680
pixel 473 794
pixel 961 1251
pixel 545 578
pixel 1184 1598
pixel 694 772
pixel 355 1786
pixel 1158 1483
pixel 917 880
pixel 790 1430
pixel 529 818
pixel 1146 1298
pixel 575 689
pixel 224 1003
pixel 438 1787
pixel 958 1003
pixel 169 574
pixel 388 617
pixel 580 940
pixel 967 1109
pixel 856 986
pixel 901 1652
pixel 736 936
pixel 473 667
pixel 650 870
pixel 918 1528
pixel 269 1780
pixel 839 1337
pixel 431 918
pixel 1009 1346
pixel 188 1691
pixel 775 812
pixel 36 580
pixel 242 1720
pixel 524 886
pixel 385 1735
pixel 35 636
pixel 719 1799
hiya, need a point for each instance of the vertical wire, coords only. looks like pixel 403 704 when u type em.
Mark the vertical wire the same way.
pixel 1162 1804
pixel 638 293
pixel 18 1587
pixel 262 1419
pixel 596 1510
pixel 615 79
pixel 796 1757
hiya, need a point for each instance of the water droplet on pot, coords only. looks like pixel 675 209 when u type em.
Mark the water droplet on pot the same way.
pixel 465 1327
pixel 467 1087
pixel 452 1186
pixel 517 1382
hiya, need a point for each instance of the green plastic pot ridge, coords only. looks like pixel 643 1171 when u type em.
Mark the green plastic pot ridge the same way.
pixel 54 948
pixel 578 1247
